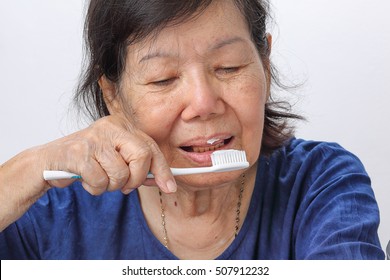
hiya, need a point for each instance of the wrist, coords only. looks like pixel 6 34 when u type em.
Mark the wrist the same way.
pixel 21 184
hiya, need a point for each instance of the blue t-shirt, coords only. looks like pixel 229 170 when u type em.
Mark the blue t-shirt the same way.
pixel 312 200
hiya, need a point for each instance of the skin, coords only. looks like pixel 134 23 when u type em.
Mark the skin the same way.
pixel 194 81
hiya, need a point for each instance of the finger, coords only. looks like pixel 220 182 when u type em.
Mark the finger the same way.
pixel 143 155
pixel 95 179
pixel 160 169
pixel 139 167
pixel 114 166
pixel 138 156
pixel 61 183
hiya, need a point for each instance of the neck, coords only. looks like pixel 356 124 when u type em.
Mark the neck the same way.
pixel 198 204
pixel 199 224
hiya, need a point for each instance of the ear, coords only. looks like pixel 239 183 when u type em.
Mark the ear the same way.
pixel 268 37
pixel 109 90
pixel 267 65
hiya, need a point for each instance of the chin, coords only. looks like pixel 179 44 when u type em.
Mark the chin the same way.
pixel 209 180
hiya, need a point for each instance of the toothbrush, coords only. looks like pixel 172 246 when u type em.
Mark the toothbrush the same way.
pixel 222 161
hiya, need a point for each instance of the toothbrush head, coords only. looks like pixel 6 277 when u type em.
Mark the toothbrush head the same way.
pixel 229 160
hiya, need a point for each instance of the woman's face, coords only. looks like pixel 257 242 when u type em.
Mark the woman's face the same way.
pixel 197 87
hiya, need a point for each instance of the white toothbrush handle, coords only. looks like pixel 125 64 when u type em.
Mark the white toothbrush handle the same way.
pixel 59 175
pixel 186 171
pixel 215 168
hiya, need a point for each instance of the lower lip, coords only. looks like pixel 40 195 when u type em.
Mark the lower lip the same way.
pixel 204 159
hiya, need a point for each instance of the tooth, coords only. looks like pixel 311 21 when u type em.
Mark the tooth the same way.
pixel 199 149
pixel 207 148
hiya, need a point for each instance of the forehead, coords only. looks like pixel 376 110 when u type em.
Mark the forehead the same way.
pixel 220 23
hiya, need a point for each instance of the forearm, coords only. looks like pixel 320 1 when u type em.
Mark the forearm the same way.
pixel 21 184
pixel 110 155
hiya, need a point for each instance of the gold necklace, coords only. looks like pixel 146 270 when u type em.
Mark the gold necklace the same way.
pixel 237 220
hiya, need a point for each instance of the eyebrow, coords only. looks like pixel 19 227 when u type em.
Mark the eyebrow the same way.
pixel 227 41
pixel 218 45
pixel 155 54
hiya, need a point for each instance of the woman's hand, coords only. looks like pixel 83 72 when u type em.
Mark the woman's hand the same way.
pixel 109 155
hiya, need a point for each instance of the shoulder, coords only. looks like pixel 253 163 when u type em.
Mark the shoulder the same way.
pixel 313 158
pixel 306 175
pixel 299 150
pixel 327 200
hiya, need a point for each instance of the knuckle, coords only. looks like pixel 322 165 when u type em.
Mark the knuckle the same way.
pixel 132 185
pixel 94 177
pixel 136 182
pixel 118 178
pixel 93 190
pixel 79 146
pixel 100 182
pixel 121 173
pixel 144 153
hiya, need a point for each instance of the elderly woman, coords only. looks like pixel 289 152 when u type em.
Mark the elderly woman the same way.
pixel 168 83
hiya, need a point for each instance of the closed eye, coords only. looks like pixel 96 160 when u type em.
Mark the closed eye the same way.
pixel 228 70
pixel 163 82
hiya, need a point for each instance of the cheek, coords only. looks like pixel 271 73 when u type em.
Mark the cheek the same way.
pixel 149 112
pixel 253 130
pixel 154 116
pixel 250 109
pixel 249 100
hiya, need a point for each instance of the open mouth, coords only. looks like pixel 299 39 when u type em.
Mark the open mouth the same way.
pixel 201 149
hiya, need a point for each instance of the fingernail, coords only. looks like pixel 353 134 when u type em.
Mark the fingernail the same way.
pixel 171 185
pixel 127 191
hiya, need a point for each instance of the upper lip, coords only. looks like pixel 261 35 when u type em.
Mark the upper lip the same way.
pixel 202 140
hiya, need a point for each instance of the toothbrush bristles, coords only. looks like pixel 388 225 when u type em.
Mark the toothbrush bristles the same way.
pixel 227 157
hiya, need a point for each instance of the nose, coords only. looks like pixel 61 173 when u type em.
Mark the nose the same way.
pixel 204 98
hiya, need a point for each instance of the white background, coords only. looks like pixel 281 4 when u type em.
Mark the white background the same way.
pixel 339 48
